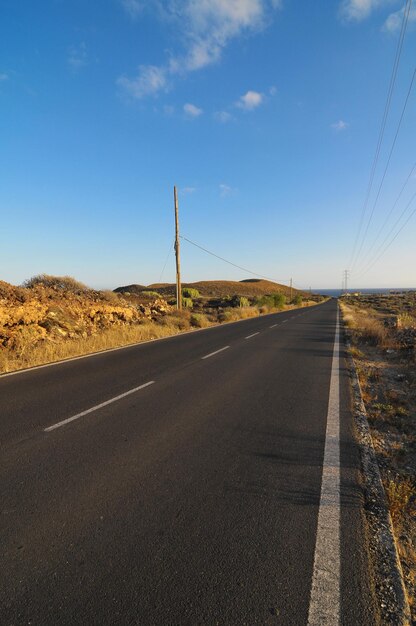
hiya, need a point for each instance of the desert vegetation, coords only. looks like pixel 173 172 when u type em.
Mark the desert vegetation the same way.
pixel 50 318
pixel 383 335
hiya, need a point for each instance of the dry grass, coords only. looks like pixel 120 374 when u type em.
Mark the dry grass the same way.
pixel 48 352
pixel 387 376
pixel 238 313
pixel 399 493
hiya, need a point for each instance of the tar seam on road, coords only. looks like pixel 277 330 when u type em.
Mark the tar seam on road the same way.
pixel 207 356
pixel 99 406
pixel 324 606
pixel 253 335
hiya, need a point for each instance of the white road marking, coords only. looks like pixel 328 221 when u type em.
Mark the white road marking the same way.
pixel 284 321
pixel 253 335
pixel 99 406
pixel 207 356
pixel 274 325
pixel 324 607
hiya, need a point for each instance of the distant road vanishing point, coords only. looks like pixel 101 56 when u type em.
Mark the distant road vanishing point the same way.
pixel 207 478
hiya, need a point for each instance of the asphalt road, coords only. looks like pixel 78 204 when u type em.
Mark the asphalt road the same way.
pixel 192 500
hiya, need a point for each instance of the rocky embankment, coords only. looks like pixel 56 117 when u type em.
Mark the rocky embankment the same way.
pixel 39 313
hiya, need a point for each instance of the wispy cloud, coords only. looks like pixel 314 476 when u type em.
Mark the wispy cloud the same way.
pixel 191 110
pixel 223 116
pixel 394 21
pixel 357 10
pixel 226 190
pixel 132 7
pixel 250 101
pixel 77 56
pixel 187 191
pixel 339 126
pixel 4 76
pixel 205 27
pixel 150 81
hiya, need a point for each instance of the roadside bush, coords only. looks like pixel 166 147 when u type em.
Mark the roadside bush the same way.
pixel 151 294
pixel 199 320
pixel 297 300
pixel 110 296
pixel 238 301
pixel 64 283
pixel 187 303
pixel 235 314
pixel 272 301
pixel 188 292
pixel 279 300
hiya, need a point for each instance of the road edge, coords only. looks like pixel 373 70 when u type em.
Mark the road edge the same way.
pixel 390 587
pixel 147 341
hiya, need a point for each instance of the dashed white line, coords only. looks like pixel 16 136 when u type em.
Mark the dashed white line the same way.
pixel 253 335
pixel 324 607
pixel 274 325
pixel 284 321
pixel 207 356
pixel 98 406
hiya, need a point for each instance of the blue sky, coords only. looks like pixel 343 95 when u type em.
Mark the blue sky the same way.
pixel 265 114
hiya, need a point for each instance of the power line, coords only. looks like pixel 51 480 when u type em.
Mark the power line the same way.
pixel 383 123
pixel 387 165
pixel 409 176
pixel 380 252
pixel 166 262
pixel 244 269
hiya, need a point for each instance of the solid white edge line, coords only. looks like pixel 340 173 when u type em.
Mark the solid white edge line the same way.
pixel 207 356
pixel 324 606
pixel 98 406
pixel 253 335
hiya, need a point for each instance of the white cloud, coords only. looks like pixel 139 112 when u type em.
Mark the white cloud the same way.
pixel 394 21
pixel 132 7
pixel 186 191
pixel 357 10
pixel 77 56
pixel 192 111
pixel 205 28
pixel 225 190
pixel 149 82
pixel 223 116
pixel 250 101
pixel 4 76
pixel 339 126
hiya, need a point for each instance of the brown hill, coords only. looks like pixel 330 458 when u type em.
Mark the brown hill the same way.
pixel 222 288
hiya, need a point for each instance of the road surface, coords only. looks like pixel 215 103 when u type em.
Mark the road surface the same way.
pixel 209 478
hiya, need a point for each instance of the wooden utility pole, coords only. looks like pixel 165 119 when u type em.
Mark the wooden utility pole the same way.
pixel 177 253
pixel 291 289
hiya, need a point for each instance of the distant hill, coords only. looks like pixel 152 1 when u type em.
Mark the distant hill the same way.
pixel 218 288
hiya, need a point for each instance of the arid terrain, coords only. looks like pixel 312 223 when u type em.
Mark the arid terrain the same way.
pixel 383 335
pixel 51 318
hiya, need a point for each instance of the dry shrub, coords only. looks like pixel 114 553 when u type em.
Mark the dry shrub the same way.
pixel 405 320
pixel 399 492
pixel 63 283
pixel 110 296
pixel 373 331
pixel 199 320
pixel 235 314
